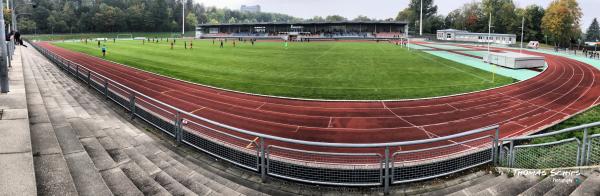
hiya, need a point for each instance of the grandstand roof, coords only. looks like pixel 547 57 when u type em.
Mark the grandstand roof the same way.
pixel 307 23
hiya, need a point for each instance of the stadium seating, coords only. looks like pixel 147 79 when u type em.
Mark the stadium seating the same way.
pixel 85 148
pixel 318 35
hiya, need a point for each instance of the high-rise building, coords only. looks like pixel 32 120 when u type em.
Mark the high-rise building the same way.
pixel 250 8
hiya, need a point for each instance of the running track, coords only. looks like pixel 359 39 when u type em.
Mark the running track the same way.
pixel 566 88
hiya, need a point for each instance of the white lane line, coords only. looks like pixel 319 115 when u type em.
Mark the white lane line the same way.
pixel 258 108
pixel 197 110
pixel 399 117
pixel 456 109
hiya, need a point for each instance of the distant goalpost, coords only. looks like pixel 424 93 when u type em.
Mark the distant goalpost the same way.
pixel 176 35
pixel 127 36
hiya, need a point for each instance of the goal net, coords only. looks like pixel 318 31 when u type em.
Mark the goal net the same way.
pixel 125 36
pixel 176 35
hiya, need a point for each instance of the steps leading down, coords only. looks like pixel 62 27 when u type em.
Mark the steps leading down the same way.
pixel 98 152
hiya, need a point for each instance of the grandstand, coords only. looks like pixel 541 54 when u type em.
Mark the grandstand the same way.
pixel 305 30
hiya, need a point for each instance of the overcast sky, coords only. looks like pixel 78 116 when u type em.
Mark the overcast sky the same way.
pixel 379 9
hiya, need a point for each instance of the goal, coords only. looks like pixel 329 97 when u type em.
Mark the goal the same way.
pixel 176 35
pixel 125 36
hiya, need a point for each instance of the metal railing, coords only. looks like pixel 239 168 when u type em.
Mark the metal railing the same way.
pixel 345 164
pixel 519 152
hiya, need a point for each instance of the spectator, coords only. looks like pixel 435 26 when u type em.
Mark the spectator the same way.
pixel 17 37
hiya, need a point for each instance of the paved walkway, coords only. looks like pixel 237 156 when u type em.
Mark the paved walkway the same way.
pixel 16 161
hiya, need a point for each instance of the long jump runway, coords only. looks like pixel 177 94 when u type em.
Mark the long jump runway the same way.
pixel 567 87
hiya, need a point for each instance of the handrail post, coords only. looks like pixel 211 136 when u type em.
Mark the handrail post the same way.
pixel 495 146
pixel 77 70
pixel 132 105
pixel 106 88
pixel 178 128
pixel 89 78
pixel 263 161
pixel 386 177
pixel 511 154
pixel 583 153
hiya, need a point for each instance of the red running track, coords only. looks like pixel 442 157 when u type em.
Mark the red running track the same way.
pixel 566 88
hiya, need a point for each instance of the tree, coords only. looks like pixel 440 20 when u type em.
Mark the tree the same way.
pixel 27 26
pixel 107 18
pixel 362 18
pixel 436 23
pixel 533 21
pixel 213 21
pixel 593 32
pixel 232 20
pixel 413 12
pixel 335 18
pixel 455 20
pixel 561 21
pixel 405 15
pixel 504 18
pixel 317 19
pixel 475 19
pixel 136 17
pixel 191 21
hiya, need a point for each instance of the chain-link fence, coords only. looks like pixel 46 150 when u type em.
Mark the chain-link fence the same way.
pixel 325 167
pixel 593 155
pixel 521 152
pixel 558 154
pixel 424 163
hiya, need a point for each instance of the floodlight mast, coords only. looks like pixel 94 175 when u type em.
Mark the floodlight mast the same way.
pixel 182 19
pixel 489 50
pixel 522 33
pixel 421 20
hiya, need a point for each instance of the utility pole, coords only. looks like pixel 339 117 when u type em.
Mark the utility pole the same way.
pixel 522 32
pixel 3 55
pixel 421 20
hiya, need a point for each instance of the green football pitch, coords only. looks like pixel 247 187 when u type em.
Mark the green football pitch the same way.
pixel 317 70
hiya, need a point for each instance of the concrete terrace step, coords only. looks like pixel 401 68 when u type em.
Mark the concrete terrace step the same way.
pixel 564 188
pixel 511 186
pixel 85 175
pixel 461 186
pixel 98 128
pixel 541 187
pixel 591 185
pixel 90 134
pixel 112 142
pixel 51 169
pixel 197 187
pixel 472 190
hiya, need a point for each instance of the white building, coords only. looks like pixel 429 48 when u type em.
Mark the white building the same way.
pixel 465 36
pixel 250 8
